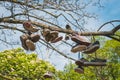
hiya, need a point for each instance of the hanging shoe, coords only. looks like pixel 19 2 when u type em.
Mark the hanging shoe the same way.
pixel 57 39
pixel 45 32
pixel 80 40
pixel 48 75
pixel 35 37
pixel 92 47
pixel 98 60
pixel 78 48
pixel 29 27
pixel 30 45
pixel 79 69
pixel 81 61
pixel 23 39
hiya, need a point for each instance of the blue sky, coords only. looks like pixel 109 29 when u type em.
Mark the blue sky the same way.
pixel 110 11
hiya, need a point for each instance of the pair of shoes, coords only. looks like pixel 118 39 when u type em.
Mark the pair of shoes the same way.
pixel 86 49
pixel 29 40
pixel 29 27
pixel 79 69
pixel 51 36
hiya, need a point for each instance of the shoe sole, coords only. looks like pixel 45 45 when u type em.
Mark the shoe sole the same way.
pixel 78 48
pixel 57 39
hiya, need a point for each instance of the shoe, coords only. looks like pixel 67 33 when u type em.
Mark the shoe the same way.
pixel 81 62
pixel 57 39
pixel 35 37
pixel 80 40
pixel 48 75
pixel 54 34
pixel 30 45
pixel 78 47
pixel 92 47
pixel 79 69
pixel 98 60
pixel 45 32
pixel 23 39
pixel 29 27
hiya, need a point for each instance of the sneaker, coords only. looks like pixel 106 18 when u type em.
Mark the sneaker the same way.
pixel 92 47
pixel 78 47
pixel 30 45
pixel 48 75
pixel 29 27
pixel 23 39
pixel 98 60
pixel 79 69
pixel 57 39
pixel 80 40
pixel 45 32
pixel 34 37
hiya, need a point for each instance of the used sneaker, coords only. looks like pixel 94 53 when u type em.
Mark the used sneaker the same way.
pixel 80 40
pixel 98 60
pixel 81 61
pixel 78 47
pixel 92 47
pixel 34 37
pixel 57 39
pixel 79 69
pixel 30 45
pixel 29 27
pixel 48 75
pixel 23 39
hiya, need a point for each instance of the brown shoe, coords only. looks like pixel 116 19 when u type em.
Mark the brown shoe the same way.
pixel 79 69
pixel 92 47
pixel 29 27
pixel 57 39
pixel 45 32
pixel 34 37
pixel 80 39
pixel 30 45
pixel 23 39
pixel 81 61
pixel 78 47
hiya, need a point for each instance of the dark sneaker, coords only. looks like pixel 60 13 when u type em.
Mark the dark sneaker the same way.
pixel 79 69
pixel 48 75
pixel 80 40
pixel 34 37
pixel 81 62
pixel 23 39
pixel 57 39
pixel 78 48
pixel 29 27
pixel 30 45
pixel 92 47
pixel 98 60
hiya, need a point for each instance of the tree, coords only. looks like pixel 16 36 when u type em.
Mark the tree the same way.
pixel 53 15
pixel 15 64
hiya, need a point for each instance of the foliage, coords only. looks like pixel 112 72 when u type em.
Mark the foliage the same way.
pixel 16 64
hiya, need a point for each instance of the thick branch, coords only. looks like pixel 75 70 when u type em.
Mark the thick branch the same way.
pixel 55 28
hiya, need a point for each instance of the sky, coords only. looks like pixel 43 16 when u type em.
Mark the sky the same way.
pixel 110 11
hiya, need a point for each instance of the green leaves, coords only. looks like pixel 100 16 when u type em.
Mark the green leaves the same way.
pixel 21 66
